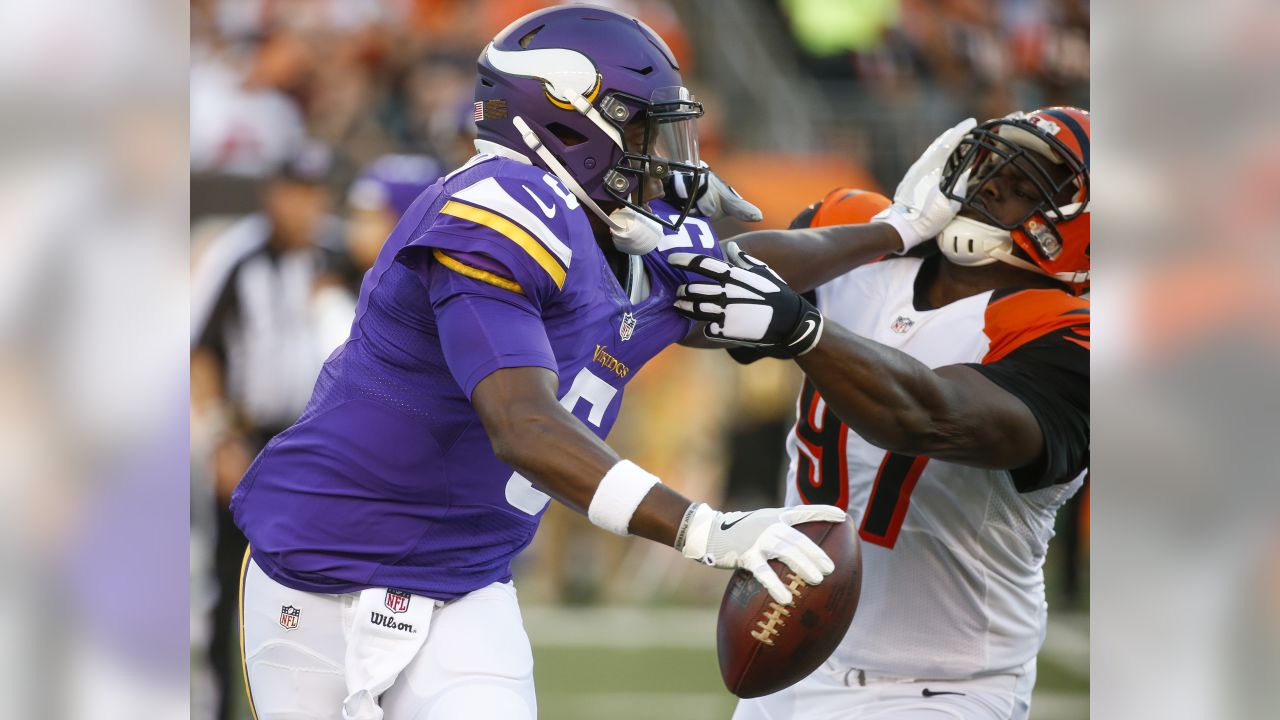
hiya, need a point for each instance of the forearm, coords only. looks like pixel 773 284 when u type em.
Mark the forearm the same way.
pixel 809 257
pixel 899 404
pixel 566 461
pixel 889 398
pixel 557 453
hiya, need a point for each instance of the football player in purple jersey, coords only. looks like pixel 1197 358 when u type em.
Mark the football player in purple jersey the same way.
pixel 492 341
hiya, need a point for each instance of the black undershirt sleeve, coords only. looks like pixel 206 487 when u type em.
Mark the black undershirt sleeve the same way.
pixel 1051 375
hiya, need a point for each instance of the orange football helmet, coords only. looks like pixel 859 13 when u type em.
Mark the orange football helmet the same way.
pixel 1050 148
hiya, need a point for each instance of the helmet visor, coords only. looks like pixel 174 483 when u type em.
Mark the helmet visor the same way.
pixel 672 128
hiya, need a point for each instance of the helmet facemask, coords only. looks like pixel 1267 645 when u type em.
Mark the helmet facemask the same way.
pixel 669 145
pixel 1027 161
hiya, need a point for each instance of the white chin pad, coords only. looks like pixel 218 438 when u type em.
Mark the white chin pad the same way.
pixel 968 242
pixel 636 234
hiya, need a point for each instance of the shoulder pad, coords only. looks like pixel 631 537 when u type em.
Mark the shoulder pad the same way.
pixel 848 206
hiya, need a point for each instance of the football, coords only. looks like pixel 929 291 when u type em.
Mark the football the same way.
pixel 765 647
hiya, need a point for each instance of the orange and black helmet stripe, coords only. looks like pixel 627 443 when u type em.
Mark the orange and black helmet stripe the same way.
pixel 1079 140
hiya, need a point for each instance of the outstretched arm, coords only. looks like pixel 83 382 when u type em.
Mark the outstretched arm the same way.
pixel 809 257
pixel 888 397
pixel 897 403
pixel 998 415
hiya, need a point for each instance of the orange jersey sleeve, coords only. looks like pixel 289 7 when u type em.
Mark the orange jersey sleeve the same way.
pixel 1017 318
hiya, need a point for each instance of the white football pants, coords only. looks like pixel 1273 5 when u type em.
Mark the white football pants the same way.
pixel 476 662
pixel 829 694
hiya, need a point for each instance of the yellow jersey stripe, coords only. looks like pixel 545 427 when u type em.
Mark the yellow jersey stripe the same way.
pixel 476 273
pixel 491 196
pixel 512 232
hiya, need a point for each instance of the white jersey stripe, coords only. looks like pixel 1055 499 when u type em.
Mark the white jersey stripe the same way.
pixel 489 194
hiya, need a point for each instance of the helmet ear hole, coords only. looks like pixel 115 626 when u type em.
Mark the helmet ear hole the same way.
pixel 566 134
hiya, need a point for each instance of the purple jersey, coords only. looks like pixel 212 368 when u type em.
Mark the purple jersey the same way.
pixel 388 478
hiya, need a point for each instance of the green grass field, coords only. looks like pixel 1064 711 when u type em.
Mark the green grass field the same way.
pixel 646 663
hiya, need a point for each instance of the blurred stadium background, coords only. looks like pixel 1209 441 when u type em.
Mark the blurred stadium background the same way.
pixel 314 119
pixel 95 242
pixel 313 122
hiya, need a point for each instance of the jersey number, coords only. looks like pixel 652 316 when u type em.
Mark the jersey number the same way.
pixel 693 233
pixel 598 394
pixel 890 498
pixel 822 471
pixel 822 475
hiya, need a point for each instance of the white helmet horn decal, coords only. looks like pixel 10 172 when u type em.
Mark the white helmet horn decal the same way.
pixel 566 73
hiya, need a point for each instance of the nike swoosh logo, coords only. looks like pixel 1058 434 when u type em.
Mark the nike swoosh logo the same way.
pixel 930 693
pixel 727 525
pixel 549 211
pixel 807 331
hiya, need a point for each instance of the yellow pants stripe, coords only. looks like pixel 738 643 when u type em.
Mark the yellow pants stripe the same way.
pixel 244 661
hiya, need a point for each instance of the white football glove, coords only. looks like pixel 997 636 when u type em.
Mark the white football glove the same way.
pixel 714 197
pixel 920 210
pixel 749 304
pixel 748 540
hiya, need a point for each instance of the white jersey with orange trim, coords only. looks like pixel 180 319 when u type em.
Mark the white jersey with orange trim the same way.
pixel 952 555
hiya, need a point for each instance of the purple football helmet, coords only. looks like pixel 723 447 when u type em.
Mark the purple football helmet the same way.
pixel 568 85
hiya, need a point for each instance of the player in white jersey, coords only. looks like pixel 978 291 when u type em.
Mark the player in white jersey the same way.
pixel 945 406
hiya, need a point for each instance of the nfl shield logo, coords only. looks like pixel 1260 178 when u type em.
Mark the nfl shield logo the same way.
pixel 1046 125
pixel 289 617
pixel 902 324
pixel 397 601
pixel 627 327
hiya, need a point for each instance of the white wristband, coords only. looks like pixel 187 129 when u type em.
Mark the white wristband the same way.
pixel 893 217
pixel 620 492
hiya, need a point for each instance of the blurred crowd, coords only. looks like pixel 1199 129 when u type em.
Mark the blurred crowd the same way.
pixel 314 124
pixel 987 54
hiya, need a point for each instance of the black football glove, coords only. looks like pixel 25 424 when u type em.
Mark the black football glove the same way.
pixel 748 304
pixel 744 355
